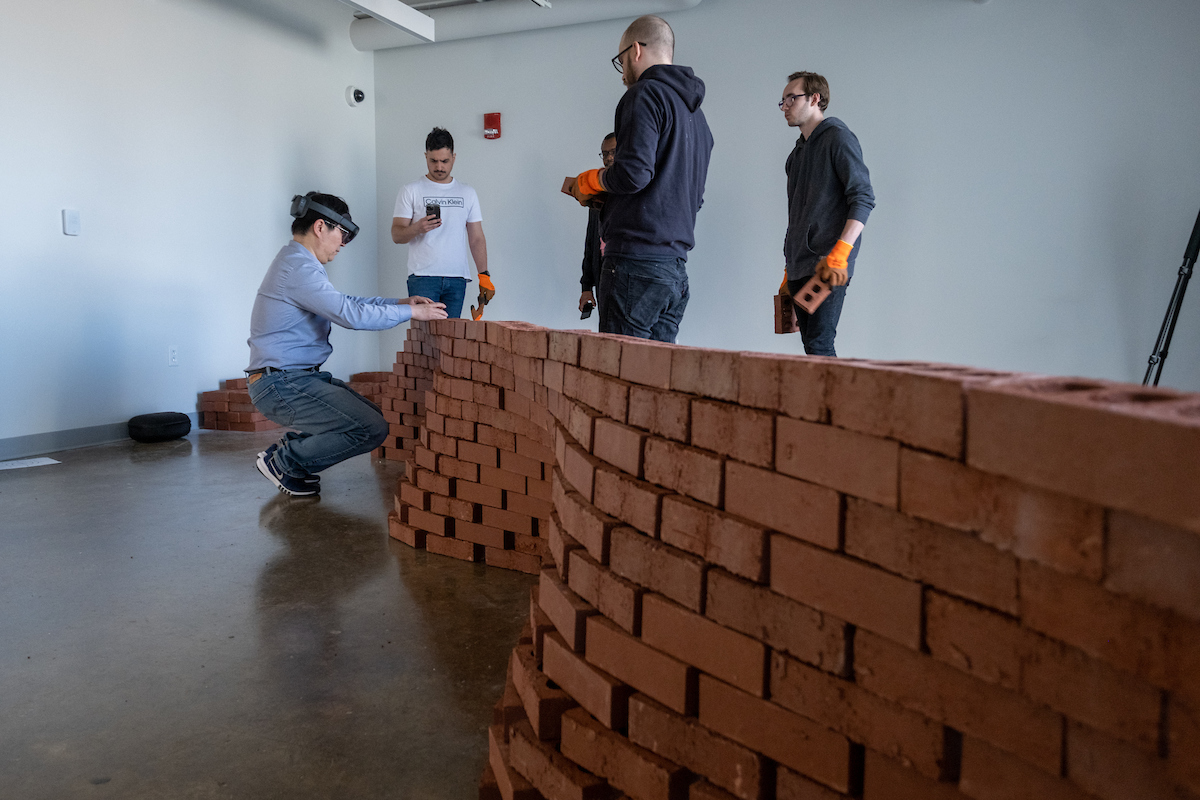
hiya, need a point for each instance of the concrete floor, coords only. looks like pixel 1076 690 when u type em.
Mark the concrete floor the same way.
pixel 173 627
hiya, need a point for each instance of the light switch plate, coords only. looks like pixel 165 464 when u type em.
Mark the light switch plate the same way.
pixel 70 219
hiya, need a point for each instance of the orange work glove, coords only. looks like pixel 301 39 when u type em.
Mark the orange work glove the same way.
pixel 836 265
pixel 783 286
pixel 487 289
pixel 589 182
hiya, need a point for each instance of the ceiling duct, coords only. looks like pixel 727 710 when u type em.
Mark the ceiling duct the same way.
pixel 472 20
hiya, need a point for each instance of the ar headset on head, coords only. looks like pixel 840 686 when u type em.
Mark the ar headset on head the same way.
pixel 302 204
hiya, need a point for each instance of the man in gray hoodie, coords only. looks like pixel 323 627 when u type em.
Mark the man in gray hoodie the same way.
pixel 829 200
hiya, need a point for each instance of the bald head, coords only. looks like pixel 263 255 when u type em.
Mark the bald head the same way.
pixel 654 34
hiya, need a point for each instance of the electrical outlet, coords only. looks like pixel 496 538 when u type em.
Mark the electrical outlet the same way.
pixel 173 356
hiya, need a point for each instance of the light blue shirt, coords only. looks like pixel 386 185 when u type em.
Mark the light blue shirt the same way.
pixel 294 309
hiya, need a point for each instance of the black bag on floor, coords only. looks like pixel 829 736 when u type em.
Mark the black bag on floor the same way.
pixel 161 427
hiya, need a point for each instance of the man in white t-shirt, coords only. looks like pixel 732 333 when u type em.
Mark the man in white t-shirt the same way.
pixel 438 218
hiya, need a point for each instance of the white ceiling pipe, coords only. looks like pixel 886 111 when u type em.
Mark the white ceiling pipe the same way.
pixel 398 16
pixel 508 16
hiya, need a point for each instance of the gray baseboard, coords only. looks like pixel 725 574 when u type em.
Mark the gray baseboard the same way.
pixel 41 443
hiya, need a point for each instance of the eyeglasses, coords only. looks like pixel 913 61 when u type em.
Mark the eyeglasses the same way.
pixel 608 153
pixel 791 98
pixel 346 235
pixel 616 62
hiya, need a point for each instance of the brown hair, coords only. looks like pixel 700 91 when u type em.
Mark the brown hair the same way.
pixel 813 84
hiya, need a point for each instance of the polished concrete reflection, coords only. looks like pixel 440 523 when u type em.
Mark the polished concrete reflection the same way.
pixel 173 627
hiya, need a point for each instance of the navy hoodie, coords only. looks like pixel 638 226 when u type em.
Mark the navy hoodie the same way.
pixel 656 184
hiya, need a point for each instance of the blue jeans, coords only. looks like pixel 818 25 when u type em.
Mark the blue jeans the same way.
pixel 450 291
pixel 818 329
pixel 334 421
pixel 643 297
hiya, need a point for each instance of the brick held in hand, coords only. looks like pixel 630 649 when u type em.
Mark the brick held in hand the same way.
pixel 632 769
pixel 605 697
pixel 785 315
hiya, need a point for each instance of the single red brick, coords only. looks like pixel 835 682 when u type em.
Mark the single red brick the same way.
pixel 619 445
pixel 759 380
pixel 502 479
pixel 600 354
pixel 520 465
pixel 1154 563
pixel 989 773
pixel 531 449
pixel 489 789
pixel 527 506
pixel 539 623
pixel 664 414
pixel 708 373
pixel 636 503
pixel 685 469
pixel 626 766
pixel 1114 770
pixel 481 454
pixel 430 522
pixel 809 635
pixel 932 554
pixel 460 470
pixel 885 779
pixel 508 520
pixel 689 744
pixel 560 545
pixel 860 465
pixel 628 659
pixel 1049 528
pixel 564 346
pixel 552 374
pixel 405 533
pixel 454 548
pixel 511 783
pixel 616 598
pixel 1061 435
pixel 605 697
pixel 741 433
pixel 566 609
pixel 579 468
pixel 460 429
pixel 494 437
pixel 940 692
pixel 712 648
pixel 539 490
pixel 658 567
pixel 719 538
pixel 840 705
pixel 479 493
pixel 549 771
pixel 703 790
pixel 530 564
pixel 531 342
pixel 849 589
pixel 533 545
pixel 790 739
pixel 1158 646
pixel 486 535
pixel 543 705
pixel 413 496
pixel 647 363
pixel 799 509
pixel 586 523
pixel 976 640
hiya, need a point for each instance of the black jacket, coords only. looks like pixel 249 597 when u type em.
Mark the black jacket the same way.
pixel 656 184
pixel 591 253
pixel 827 184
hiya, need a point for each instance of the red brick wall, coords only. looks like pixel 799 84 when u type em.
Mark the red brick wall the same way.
pixel 765 576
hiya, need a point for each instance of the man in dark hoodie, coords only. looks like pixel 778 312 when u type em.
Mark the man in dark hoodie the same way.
pixel 653 189
pixel 829 199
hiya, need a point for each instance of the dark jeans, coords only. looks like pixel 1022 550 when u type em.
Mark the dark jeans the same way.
pixel 334 421
pixel 643 297
pixel 450 291
pixel 818 329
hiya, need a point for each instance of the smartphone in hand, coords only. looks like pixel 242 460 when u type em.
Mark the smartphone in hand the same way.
pixel 587 310
pixel 433 210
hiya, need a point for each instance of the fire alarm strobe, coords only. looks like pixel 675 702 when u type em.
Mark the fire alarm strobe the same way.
pixel 491 126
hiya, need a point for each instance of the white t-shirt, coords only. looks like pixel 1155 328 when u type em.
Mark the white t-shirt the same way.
pixel 442 251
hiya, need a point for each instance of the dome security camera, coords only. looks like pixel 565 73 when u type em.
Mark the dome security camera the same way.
pixel 354 95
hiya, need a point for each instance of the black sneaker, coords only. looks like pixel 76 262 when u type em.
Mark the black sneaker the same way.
pixel 311 480
pixel 284 482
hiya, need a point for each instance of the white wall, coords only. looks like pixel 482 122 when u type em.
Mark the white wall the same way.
pixel 179 129
pixel 1034 162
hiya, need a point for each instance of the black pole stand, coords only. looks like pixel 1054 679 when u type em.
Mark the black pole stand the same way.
pixel 1168 327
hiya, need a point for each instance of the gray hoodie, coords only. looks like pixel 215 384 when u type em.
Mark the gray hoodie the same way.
pixel 827 184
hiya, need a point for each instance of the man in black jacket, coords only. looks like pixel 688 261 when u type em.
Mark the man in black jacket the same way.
pixel 654 188
pixel 593 247
pixel 829 200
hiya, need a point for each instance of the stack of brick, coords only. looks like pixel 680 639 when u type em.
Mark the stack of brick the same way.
pixel 371 385
pixel 477 487
pixel 403 393
pixel 788 577
pixel 230 409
